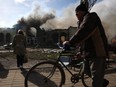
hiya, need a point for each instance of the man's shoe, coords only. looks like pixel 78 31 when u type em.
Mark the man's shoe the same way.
pixel 105 83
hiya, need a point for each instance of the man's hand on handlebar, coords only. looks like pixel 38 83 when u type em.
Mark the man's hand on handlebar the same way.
pixel 66 46
pixel 66 43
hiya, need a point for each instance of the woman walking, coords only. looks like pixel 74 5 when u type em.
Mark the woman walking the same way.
pixel 19 45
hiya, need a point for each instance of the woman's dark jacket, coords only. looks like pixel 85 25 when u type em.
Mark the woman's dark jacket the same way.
pixel 19 44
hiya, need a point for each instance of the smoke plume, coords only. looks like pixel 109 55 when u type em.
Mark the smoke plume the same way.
pixel 36 18
pixel 107 12
pixel 66 20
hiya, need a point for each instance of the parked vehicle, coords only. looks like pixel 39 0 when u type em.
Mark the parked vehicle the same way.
pixel 8 46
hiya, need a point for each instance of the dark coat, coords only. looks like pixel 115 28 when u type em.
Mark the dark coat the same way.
pixel 92 34
pixel 19 44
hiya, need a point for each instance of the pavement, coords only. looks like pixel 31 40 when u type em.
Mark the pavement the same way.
pixel 11 76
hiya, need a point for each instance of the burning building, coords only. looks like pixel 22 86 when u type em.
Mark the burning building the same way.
pixel 37 36
pixel 32 23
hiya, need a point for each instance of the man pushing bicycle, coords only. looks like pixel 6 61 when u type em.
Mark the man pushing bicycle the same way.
pixel 91 34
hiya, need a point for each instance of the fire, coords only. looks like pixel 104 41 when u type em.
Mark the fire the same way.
pixel 113 40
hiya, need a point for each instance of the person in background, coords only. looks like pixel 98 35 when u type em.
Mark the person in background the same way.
pixel 19 46
pixel 91 35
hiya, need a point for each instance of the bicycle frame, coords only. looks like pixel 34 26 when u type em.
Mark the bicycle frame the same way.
pixel 59 61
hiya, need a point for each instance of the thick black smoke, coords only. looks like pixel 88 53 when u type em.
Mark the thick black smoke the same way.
pixel 35 20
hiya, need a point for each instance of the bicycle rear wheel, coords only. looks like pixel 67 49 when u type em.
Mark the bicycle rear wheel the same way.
pixel 45 74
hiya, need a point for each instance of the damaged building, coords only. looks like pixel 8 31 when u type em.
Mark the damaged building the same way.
pixel 42 38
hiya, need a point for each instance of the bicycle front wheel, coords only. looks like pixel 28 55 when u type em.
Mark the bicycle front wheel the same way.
pixel 45 74
pixel 86 80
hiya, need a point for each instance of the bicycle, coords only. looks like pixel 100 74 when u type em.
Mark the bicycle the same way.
pixel 51 73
